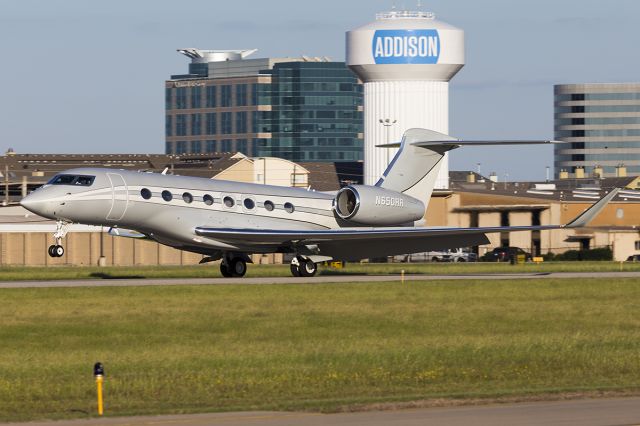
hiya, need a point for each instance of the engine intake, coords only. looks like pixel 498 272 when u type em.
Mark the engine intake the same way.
pixel 370 205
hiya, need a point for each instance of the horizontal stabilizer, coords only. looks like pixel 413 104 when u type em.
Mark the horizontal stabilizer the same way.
pixel 459 142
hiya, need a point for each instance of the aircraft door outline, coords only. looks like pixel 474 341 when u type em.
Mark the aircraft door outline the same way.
pixel 119 197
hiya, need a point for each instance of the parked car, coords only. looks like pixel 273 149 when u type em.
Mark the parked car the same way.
pixel 505 254
pixel 451 255
pixel 634 258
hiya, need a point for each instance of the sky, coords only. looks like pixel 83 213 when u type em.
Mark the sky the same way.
pixel 87 77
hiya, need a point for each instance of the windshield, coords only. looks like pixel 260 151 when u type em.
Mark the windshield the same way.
pixel 78 180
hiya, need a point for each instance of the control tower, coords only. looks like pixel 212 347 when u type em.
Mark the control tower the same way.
pixel 405 60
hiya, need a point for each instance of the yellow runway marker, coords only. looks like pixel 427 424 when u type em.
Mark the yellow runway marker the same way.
pixel 98 372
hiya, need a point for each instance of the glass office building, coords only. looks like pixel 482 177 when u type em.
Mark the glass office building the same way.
pixel 600 127
pixel 298 109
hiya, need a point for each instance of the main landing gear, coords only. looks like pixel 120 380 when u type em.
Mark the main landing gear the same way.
pixel 233 266
pixel 57 250
pixel 302 267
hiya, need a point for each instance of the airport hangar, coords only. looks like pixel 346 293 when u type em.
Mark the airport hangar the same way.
pixel 471 200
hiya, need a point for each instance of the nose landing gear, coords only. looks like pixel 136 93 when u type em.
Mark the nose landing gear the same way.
pixel 57 250
pixel 302 267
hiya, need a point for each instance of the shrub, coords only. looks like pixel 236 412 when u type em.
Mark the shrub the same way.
pixel 593 254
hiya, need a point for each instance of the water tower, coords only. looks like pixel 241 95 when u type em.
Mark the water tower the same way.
pixel 405 60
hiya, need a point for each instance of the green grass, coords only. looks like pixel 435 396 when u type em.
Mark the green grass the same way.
pixel 213 348
pixel 15 273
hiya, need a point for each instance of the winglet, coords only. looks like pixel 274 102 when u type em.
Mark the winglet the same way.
pixel 586 216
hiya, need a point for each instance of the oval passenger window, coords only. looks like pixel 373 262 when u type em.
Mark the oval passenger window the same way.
pixel 166 195
pixel 145 193
pixel 249 203
pixel 228 201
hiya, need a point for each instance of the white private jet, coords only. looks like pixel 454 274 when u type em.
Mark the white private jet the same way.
pixel 230 220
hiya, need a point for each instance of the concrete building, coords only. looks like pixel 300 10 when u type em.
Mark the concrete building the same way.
pixel 406 60
pixel 299 109
pixel 600 125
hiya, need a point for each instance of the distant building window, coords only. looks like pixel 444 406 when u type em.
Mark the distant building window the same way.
pixel 181 125
pixel 196 97
pixel 181 98
pixel 211 123
pixel 225 123
pixel 225 95
pixel 145 193
pixel 167 98
pixel 254 122
pixel 225 145
pixel 168 148
pixel 166 195
pixel 228 201
pixel 211 96
pixel 241 95
pixel 196 124
pixel 196 147
pixel 210 146
pixel 187 197
pixel 637 245
pixel 207 199
pixel 168 125
pixel 181 147
pixel 241 146
pixel 254 94
pixel 241 122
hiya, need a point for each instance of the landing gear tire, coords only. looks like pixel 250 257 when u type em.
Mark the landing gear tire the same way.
pixel 308 268
pixel 295 271
pixel 56 251
pixel 238 267
pixel 224 270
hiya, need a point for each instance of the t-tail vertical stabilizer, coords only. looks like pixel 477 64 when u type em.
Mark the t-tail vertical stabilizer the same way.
pixel 414 169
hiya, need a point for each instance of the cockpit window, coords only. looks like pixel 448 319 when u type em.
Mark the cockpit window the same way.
pixel 72 180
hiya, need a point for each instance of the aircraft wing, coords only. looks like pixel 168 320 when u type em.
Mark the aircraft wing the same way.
pixel 275 236
pixel 358 243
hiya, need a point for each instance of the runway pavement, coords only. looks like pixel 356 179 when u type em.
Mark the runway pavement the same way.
pixel 128 282
pixel 586 412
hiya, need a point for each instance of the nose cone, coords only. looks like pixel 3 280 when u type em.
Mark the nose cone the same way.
pixel 35 203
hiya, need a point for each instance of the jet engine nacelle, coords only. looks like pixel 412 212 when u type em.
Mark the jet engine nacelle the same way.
pixel 370 205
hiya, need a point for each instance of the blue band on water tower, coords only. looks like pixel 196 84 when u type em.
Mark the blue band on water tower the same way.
pixel 406 46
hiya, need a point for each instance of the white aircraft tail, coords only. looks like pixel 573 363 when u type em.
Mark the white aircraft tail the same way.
pixel 414 169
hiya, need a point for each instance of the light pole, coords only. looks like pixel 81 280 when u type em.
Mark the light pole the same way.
pixel 387 123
